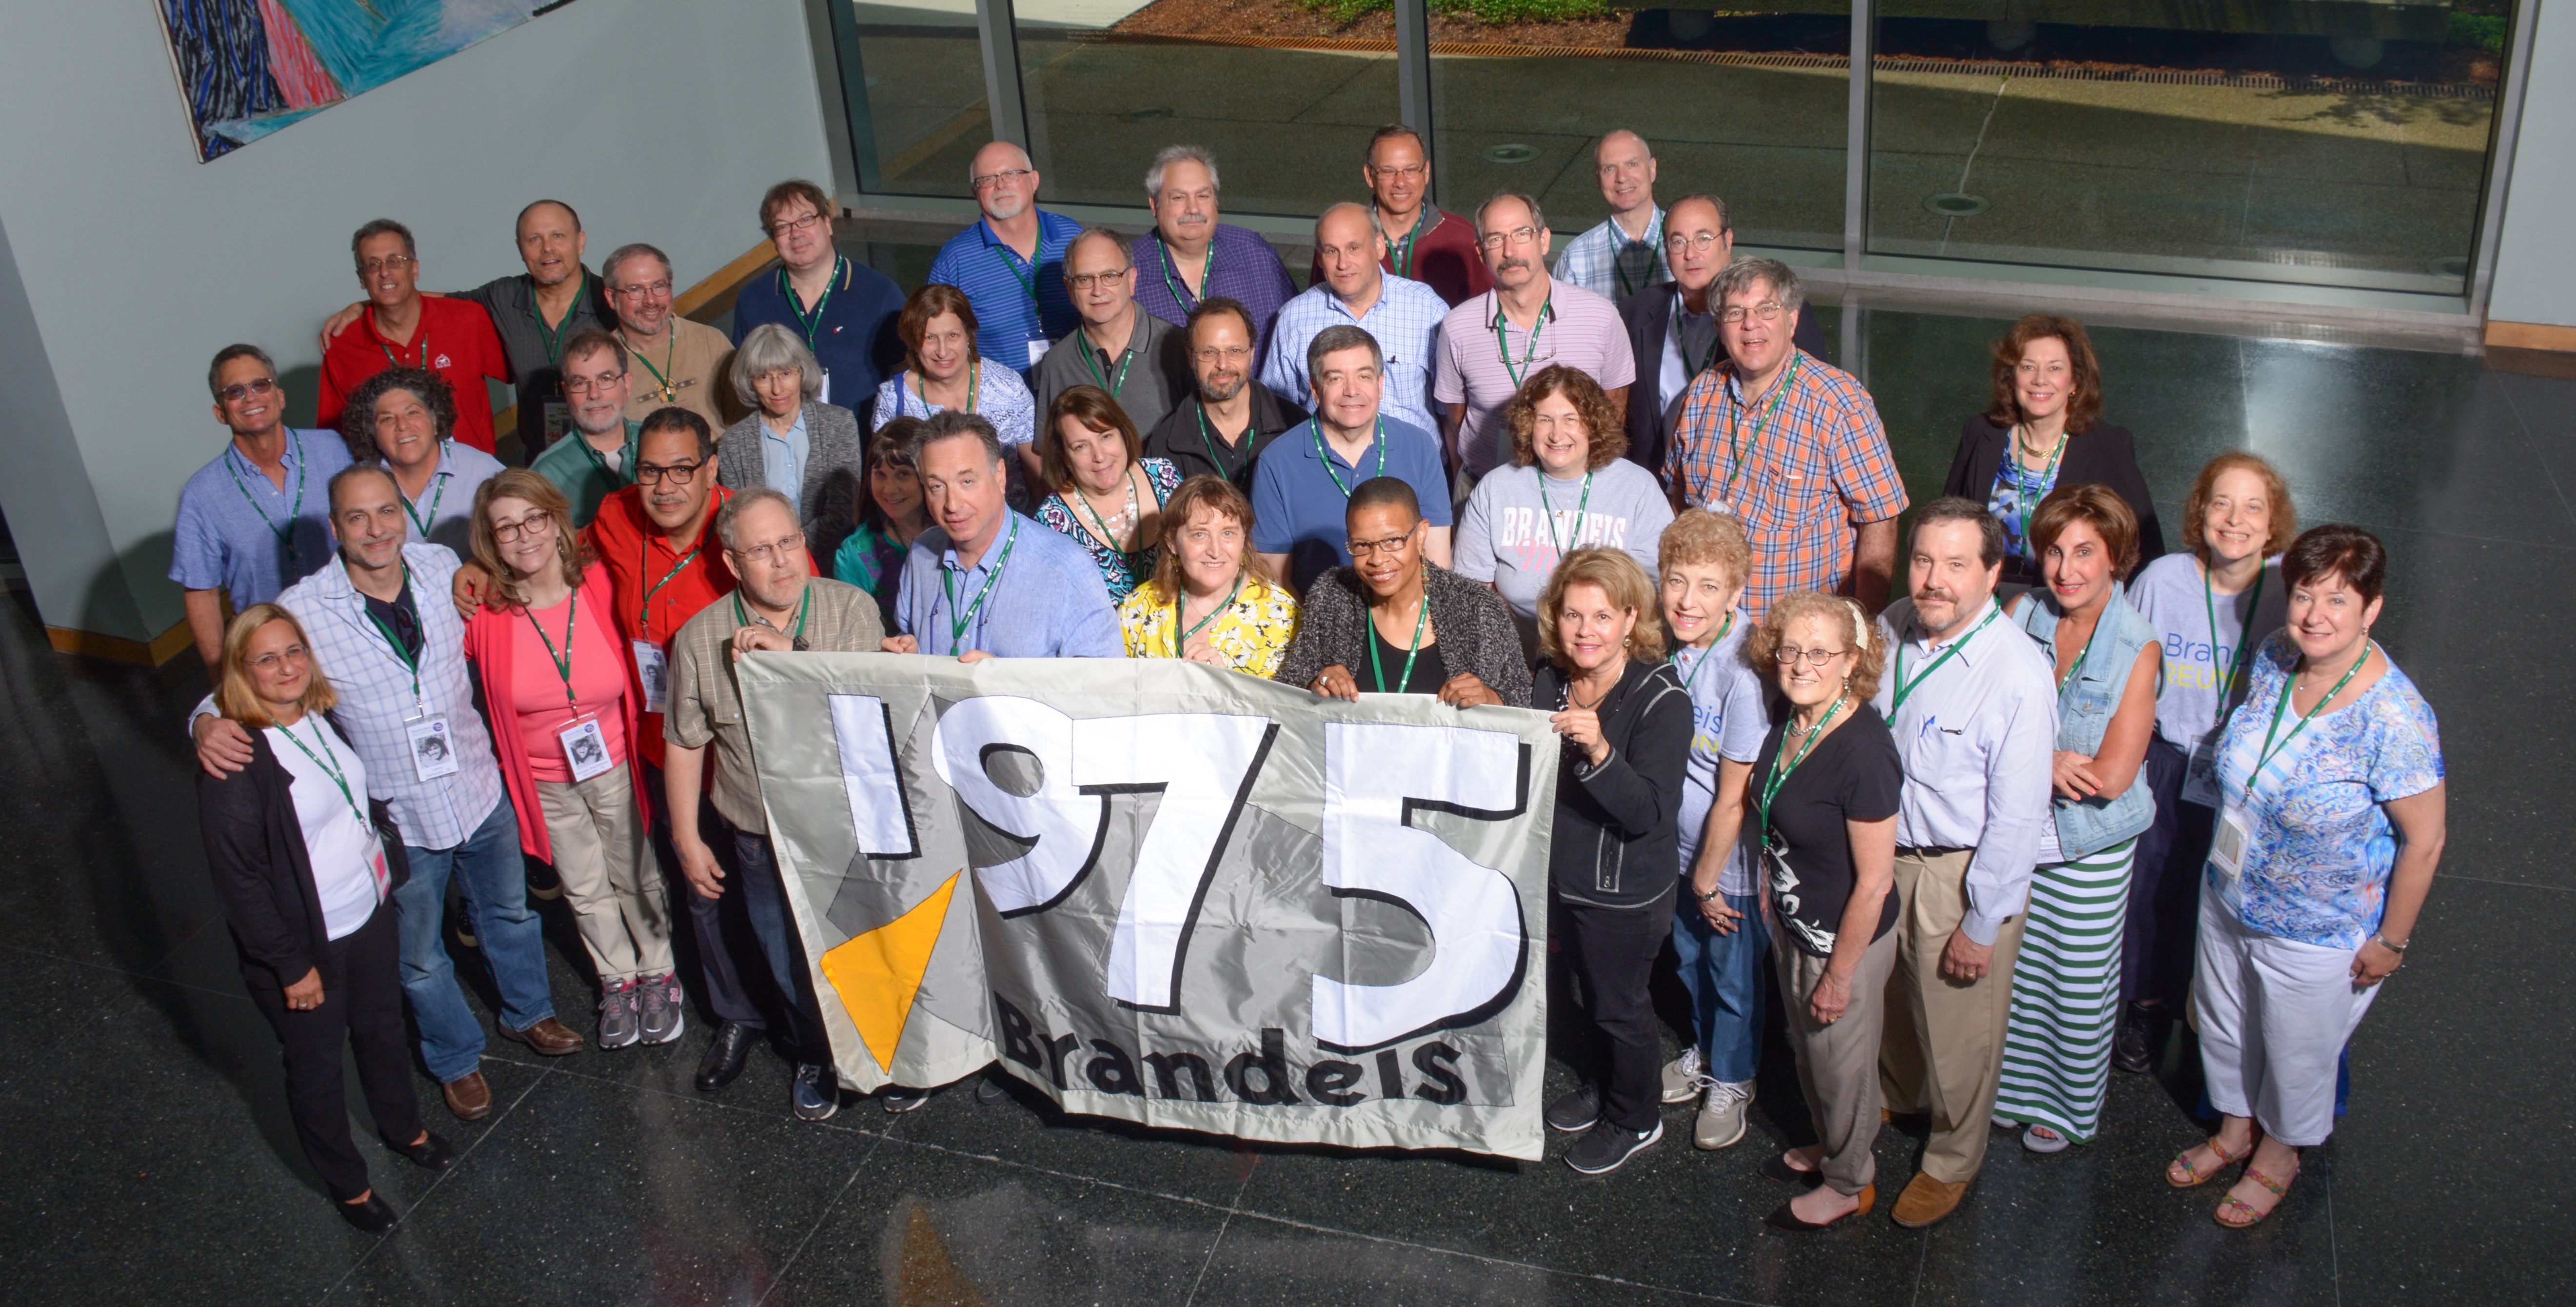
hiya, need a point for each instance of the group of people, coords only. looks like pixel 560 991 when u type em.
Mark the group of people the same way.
pixel 1987 839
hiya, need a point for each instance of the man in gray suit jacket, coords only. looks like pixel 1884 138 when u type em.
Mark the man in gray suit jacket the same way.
pixel 1671 330
pixel 814 453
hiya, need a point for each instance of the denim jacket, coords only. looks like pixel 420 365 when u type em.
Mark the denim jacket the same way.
pixel 2084 709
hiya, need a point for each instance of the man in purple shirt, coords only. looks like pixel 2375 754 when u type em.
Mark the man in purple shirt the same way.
pixel 1528 321
pixel 1190 256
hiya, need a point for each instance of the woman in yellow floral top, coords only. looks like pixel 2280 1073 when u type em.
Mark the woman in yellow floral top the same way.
pixel 1228 615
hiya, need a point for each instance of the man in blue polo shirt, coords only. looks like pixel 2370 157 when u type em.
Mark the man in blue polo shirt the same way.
pixel 1301 488
pixel 1011 262
pixel 256 519
pixel 844 312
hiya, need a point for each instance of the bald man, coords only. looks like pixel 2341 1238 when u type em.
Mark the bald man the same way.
pixel 1352 288
pixel 1423 241
pixel 1625 253
pixel 1011 262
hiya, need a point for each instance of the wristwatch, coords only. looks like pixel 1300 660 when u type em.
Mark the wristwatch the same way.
pixel 1706 897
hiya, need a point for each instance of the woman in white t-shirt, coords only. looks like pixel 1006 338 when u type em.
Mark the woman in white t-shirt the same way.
pixel 304 867
pixel 2211 608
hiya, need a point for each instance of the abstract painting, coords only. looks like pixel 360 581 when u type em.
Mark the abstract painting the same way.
pixel 249 67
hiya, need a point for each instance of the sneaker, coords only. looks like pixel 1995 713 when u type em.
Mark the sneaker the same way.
pixel 665 1015
pixel 899 1099
pixel 1575 1111
pixel 990 1093
pixel 2041 1139
pixel 816 1095
pixel 1605 1146
pixel 1721 1115
pixel 1682 1080
pixel 620 1022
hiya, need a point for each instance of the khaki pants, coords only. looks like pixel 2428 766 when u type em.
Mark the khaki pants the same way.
pixel 614 887
pixel 1943 1050
pixel 1838 1064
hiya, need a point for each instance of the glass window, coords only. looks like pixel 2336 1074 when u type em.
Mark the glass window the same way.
pixel 914 78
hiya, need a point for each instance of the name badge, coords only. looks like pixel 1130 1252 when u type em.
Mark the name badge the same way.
pixel 1037 349
pixel 2200 776
pixel 376 865
pixel 653 669
pixel 585 749
pixel 433 750
pixel 2228 841
pixel 558 419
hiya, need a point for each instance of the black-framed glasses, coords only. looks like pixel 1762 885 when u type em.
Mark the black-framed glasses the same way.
pixel 679 474
pixel 1790 654
pixel 996 178
pixel 241 390
pixel 1087 280
pixel 585 385
pixel 786 225
pixel 1368 548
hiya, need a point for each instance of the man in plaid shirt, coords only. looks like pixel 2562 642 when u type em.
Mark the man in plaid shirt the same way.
pixel 1792 446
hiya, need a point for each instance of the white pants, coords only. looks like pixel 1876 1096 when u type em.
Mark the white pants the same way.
pixel 2274 1017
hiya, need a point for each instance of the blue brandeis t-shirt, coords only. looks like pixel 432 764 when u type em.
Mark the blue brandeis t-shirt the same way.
pixel 2320 847
pixel 1728 720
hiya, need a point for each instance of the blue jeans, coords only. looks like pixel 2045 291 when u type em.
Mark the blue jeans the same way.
pixel 764 899
pixel 1724 974
pixel 495 880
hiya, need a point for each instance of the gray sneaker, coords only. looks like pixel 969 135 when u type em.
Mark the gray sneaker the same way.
pixel 665 1016
pixel 1721 1115
pixel 1682 1078
pixel 619 1022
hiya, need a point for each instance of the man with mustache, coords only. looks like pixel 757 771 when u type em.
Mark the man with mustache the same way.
pixel 684 362
pixel 1527 322
pixel 1422 241
pixel 1672 327
pixel 254 520
pixel 1972 704
pixel 1352 288
pixel 1011 262
pixel 1141 360
pixel 402 328
pixel 1220 429
pixel 1190 256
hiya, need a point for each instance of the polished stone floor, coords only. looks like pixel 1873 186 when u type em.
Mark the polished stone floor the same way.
pixel 149 1157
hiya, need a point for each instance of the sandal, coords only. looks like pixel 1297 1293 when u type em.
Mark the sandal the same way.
pixel 2280 1190
pixel 2193 1177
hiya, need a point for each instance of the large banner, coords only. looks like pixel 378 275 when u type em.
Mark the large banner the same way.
pixel 1168 893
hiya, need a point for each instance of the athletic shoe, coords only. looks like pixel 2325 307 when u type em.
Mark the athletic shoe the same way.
pixel 1721 1115
pixel 1575 1111
pixel 665 1015
pixel 1682 1079
pixel 620 1020
pixel 899 1099
pixel 1605 1146
pixel 816 1095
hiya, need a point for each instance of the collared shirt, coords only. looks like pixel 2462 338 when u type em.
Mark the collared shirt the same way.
pixel 239 533
pixel 1001 398
pixel 1823 448
pixel 535 347
pixel 641 562
pixel 1188 438
pixel 1978 733
pixel 454 338
pixel 443 513
pixel 782 457
pixel 688 370
pixel 1442 255
pixel 1048 602
pixel 851 330
pixel 706 700
pixel 1301 492
pixel 1576 328
pixel 1405 322
pixel 1245 269
pixel 1146 377
pixel 1605 262
pixel 585 475
pixel 1019 306
pixel 1691 347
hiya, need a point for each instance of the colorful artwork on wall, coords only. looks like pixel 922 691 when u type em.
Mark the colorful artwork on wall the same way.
pixel 249 67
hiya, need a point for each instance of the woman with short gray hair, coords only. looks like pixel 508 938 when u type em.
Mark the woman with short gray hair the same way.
pixel 793 443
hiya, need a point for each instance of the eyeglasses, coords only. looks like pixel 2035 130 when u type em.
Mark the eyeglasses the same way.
pixel 679 474
pixel 1766 311
pixel 1680 241
pixel 270 662
pixel 239 391
pixel 1790 654
pixel 1087 280
pixel 786 225
pixel 587 385
pixel 1416 171
pixel 1495 240
pixel 389 263
pixel 543 524
pixel 1230 354
pixel 998 178
pixel 778 550
pixel 1366 548
pixel 650 289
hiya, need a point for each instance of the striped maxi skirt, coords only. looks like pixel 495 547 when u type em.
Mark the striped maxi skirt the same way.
pixel 2066 994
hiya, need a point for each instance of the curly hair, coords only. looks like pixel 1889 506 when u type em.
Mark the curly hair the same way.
pixel 543 496
pixel 358 418
pixel 1624 583
pixel 2084 371
pixel 1698 536
pixel 1869 652
pixel 1608 436
pixel 2276 495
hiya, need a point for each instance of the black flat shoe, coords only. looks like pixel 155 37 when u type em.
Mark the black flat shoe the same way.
pixel 1781 1218
pixel 1777 1168
pixel 375 1216
pixel 990 1092
pixel 726 1054
pixel 2130 1050
pixel 431 1152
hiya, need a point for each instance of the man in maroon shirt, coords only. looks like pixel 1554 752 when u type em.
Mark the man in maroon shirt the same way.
pixel 1423 241
pixel 403 328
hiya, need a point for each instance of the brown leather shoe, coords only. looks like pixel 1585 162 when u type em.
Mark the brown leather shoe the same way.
pixel 1926 1200
pixel 469 1097
pixel 548 1037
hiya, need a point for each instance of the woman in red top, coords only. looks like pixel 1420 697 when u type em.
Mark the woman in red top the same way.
pixel 563 703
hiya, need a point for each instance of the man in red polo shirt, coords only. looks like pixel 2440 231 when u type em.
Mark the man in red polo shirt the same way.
pixel 404 328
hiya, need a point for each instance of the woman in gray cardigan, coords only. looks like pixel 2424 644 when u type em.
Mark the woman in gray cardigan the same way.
pixel 1392 623
pixel 811 452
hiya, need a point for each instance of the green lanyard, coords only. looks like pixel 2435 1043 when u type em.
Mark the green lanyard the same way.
pixel 1549 507
pixel 1316 427
pixel 1009 258
pixel 1404 252
pixel 552 337
pixel 1126 360
pixel 670 357
pixel 959 620
pixel 921 387
pixel 285 533
pixel 742 618
pixel 1377 668
pixel 1505 346
pixel 1208 438
pixel 644 555
pixel 2076 672
pixel 1180 637
pixel 2263 758
pixel 328 761
pixel 2230 676
pixel 1905 687
pixel 1108 536
pixel 1681 314
pixel 396 360
pixel 1779 775
pixel 1736 444
pixel 410 662
pixel 562 660
pixel 616 478
pixel 1619 253
pixel 434 500
pixel 1171 277
pixel 1706 656
pixel 2047 478
pixel 812 322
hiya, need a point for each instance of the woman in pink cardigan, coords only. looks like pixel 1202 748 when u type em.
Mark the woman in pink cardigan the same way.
pixel 563 701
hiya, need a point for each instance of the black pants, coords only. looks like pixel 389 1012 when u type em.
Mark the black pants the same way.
pixel 362 1007
pixel 1610 952
pixel 720 927
pixel 2159 940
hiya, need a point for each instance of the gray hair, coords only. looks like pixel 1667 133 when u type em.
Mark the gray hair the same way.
pixel 1116 241
pixel 1336 338
pixel 1741 274
pixel 951 424
pixel 215 373
pixel 1537 218
pixel 1725 221
pixel 608 267
pixel 729 517
pixel 769 348
pixel 1172 154
pixel 1025 160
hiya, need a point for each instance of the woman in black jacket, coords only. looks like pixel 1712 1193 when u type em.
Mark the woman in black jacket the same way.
pixel 304 869
pixel 1392 623
pixel 2045 430
pixel 1627 726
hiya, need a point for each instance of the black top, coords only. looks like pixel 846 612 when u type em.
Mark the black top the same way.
pixel 2103 455
pixel 1429 674
pixel 402 617
pixel 263 873
pixel 1615 845
pixel 1853 775
pixel 512 302
pixel 1649 316
pixel 1178 438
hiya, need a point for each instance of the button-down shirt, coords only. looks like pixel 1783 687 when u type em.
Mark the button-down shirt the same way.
pixel 1438 249
pixel 443 513
pixel 1019 306
pixel 1246 270
pixel 585 475
pixel 706 700
pixel 1301 492
pixel 240 533
pixel 1978 733
pixel 1405 322
pixel 641 562
pixel 850 329
pixel 1823 447
pixel 782 457
pixel 1048 602
pixel 1576 328
pixel 1605 262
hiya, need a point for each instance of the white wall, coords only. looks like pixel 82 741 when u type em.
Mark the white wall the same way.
pixel 660 120
pixel 2535 259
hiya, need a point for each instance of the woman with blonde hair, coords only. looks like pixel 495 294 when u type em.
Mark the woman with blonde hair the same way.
pixel 1207 602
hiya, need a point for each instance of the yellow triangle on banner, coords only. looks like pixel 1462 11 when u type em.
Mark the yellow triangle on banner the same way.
pixel 878 974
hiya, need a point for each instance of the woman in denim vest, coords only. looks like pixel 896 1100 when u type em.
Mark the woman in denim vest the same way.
pixel 2066 988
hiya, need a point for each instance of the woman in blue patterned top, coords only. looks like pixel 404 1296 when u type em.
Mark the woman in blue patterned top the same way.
pixel 1107 499
pixel 2330 826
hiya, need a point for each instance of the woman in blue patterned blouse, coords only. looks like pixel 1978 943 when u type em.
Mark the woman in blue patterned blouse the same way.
pixel 1107 498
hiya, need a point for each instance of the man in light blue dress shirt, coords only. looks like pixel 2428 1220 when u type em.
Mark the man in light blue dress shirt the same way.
pixel 986 582
pixel 1403 316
